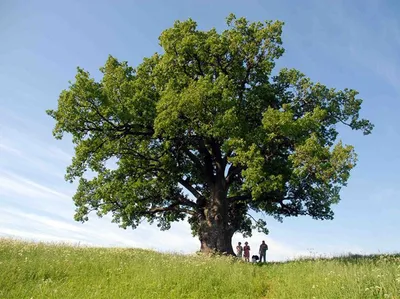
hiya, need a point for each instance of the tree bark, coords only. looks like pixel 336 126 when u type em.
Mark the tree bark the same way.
pixel 215 239
pixel 215 233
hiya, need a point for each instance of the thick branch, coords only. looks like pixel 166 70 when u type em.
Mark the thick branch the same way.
pixel 216 150
pixel 183 200
pixel 188 186
pixel 219 63
pixel 233 170
pixel 194 159
pixel 287 209
pixel 199 64
pixel 207 160
pixel 172 207
pixel 239 198
pixel 226 156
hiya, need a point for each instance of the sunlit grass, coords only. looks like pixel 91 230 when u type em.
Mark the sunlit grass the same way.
pixel 37 270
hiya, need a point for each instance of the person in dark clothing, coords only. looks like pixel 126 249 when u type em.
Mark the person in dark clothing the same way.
pixel 263 251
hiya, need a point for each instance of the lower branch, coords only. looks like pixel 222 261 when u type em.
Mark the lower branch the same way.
pixel 239 198
pixel 172 207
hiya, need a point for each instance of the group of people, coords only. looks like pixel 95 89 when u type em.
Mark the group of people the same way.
pixel 244 252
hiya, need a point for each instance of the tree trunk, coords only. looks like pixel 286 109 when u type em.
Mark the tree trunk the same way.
pixel 215 233
pixel 215 239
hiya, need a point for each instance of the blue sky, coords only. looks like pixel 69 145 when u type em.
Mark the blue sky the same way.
pixel 353 44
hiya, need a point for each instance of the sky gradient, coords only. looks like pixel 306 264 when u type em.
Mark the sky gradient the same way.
pixel 354 44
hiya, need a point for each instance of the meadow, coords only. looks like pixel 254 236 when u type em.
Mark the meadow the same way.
pixel 40 270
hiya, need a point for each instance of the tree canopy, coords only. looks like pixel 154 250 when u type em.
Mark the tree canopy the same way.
pixel 205 130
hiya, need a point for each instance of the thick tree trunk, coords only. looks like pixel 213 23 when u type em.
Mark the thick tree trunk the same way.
pixel 215 233
pixel 216 239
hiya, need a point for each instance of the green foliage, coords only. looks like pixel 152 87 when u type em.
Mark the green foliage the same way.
pixel 59 271
pixel 207 114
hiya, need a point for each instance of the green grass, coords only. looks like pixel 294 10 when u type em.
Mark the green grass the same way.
pixel 37 270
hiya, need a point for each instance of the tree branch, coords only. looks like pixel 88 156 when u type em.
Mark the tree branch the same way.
pixel 194 159
pixel 187 202
pixel 94 106
pixel 233 170
pixel 254 219
pixel 227 155
pixel 207 160
pixel 223 69
pixel 287 209
pixel 216 151
pixel 198 64
pixel 188 186
pixel 172 207
pixel 239 198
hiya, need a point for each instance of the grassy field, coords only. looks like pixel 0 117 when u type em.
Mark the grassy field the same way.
pixel 30 270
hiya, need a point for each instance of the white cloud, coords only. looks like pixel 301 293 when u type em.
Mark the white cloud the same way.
pixel 38 237
pixel 57 153
pixel 52 224
pixel 15 153
pixel 18 184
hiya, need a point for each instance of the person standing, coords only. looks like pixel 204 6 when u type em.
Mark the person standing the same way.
pixel 239 250
pixel 263 251
pixel 246 250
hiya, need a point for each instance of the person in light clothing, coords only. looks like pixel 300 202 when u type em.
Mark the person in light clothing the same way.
pixel 239 250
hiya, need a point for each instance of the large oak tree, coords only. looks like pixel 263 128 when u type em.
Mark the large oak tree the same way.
pixel 206 131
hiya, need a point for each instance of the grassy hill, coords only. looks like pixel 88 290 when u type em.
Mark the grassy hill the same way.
pixel 30 270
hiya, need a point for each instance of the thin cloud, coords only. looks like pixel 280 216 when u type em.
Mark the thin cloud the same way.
pixel 57 153
pixel 15 184
pixel 39 237
pixel 6 149
pixel 44 220
pixel 24 155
